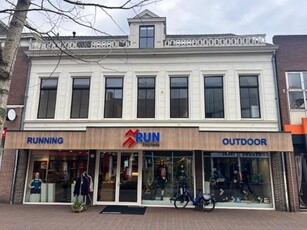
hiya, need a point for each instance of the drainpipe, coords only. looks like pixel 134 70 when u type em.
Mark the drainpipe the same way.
pixel 21 128
pixel 280 129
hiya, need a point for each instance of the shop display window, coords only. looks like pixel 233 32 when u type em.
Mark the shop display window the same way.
pixel 163 172
pixel 52 175
pixel 238 179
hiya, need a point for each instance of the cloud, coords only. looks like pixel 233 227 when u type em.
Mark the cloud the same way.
pixel 201 17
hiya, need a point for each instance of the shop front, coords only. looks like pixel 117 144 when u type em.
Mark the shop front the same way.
pixel 147 166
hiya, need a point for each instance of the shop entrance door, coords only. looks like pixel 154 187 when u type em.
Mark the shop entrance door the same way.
pixel 128 177
pixel 118 177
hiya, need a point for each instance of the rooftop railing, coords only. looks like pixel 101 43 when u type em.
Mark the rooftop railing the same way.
pixel 79 44
pixel 220 41
pixel 190 41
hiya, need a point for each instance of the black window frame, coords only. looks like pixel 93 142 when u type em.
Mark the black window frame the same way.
pixel 180 88
pixel 44 114
pixel 242 97
pixel 113 115
pixel 83 89
pixel 214 88
pixel 148 102
pixel 147 37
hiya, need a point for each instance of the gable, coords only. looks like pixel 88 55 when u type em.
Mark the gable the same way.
pixel 146 14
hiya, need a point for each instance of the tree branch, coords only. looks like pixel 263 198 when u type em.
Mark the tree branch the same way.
pixel 123 6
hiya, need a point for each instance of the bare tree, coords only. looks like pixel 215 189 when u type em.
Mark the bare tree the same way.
pixel 54 11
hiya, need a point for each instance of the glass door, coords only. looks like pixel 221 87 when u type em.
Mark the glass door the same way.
pixel 107 176
pixel 128 181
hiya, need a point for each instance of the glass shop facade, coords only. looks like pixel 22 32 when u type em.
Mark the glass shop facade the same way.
pixel 147 165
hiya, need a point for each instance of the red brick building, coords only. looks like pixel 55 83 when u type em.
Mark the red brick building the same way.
pixel 15 108
pixel 291 62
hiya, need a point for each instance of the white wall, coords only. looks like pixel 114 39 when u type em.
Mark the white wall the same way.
pixel 195 66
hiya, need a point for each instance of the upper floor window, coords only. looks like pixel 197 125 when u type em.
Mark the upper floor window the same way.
pixel 113 97
pixel 214 98
pixel 80 98
pixel 147 36
pixel 146 97
pixel 249 96
pixel 179 97
pixel 47 98
pixel 297 89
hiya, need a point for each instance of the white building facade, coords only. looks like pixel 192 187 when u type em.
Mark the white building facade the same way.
pixel 145 112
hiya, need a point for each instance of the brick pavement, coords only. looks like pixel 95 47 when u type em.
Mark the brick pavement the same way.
pixel 57 217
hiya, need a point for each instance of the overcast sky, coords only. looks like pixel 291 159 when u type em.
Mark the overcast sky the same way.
pixel 270 17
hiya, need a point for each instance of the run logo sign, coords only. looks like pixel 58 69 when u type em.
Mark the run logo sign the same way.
pixel 148 139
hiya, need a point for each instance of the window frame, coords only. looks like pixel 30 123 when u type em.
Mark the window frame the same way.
pixel 80 88
pixel 302 90
pixel 250 88
pixel 147 37
pixel 46 88
pixel 179 88
pixel 214 87
pixel 146 88
pixel 113 88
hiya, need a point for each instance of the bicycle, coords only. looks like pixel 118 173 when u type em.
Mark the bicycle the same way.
pixel 204 202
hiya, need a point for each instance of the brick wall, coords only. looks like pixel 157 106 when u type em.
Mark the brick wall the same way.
pixel 292 182
pixel 21 176
pixel 16 97
pixel 6 174
pixel 290 56
pixel 8 161
pixel 19 79
pixel 278 182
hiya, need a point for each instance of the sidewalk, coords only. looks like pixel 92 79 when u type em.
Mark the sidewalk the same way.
pixel 59 217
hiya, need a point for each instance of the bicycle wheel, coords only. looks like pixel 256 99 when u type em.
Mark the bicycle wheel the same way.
pixel 181 201
pixel 209 205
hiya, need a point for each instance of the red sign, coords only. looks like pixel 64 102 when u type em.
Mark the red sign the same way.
pixel 130 134
pixel 4 132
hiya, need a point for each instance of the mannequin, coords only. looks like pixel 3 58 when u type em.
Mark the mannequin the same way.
pixel 82 186
pixel 162 177
pixel 181 174
pixel 36 184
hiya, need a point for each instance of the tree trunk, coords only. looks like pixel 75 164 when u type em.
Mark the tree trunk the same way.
pixel 8 54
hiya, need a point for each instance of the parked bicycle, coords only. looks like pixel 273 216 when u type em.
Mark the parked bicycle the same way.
pixel 201 201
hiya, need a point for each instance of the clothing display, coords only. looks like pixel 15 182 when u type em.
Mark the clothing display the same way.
pixel 82 186
pixel 35 186
pixel 162 175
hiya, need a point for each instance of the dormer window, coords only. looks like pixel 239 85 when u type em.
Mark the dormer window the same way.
pixel 147 35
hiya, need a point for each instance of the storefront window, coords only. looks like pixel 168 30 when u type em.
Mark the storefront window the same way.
pixel 53 174
pixel 238 179
pixel 162 174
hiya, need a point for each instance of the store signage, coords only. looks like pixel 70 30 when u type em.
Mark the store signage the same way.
pixel 45 140
pixel 4 132
pixel 244 141
pixel 245 155
pixel 146 138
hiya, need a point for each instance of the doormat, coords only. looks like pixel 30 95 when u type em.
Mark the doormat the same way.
pixel 114 209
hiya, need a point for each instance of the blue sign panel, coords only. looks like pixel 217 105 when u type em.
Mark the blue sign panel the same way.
pixel 45 140
pixel 244 141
